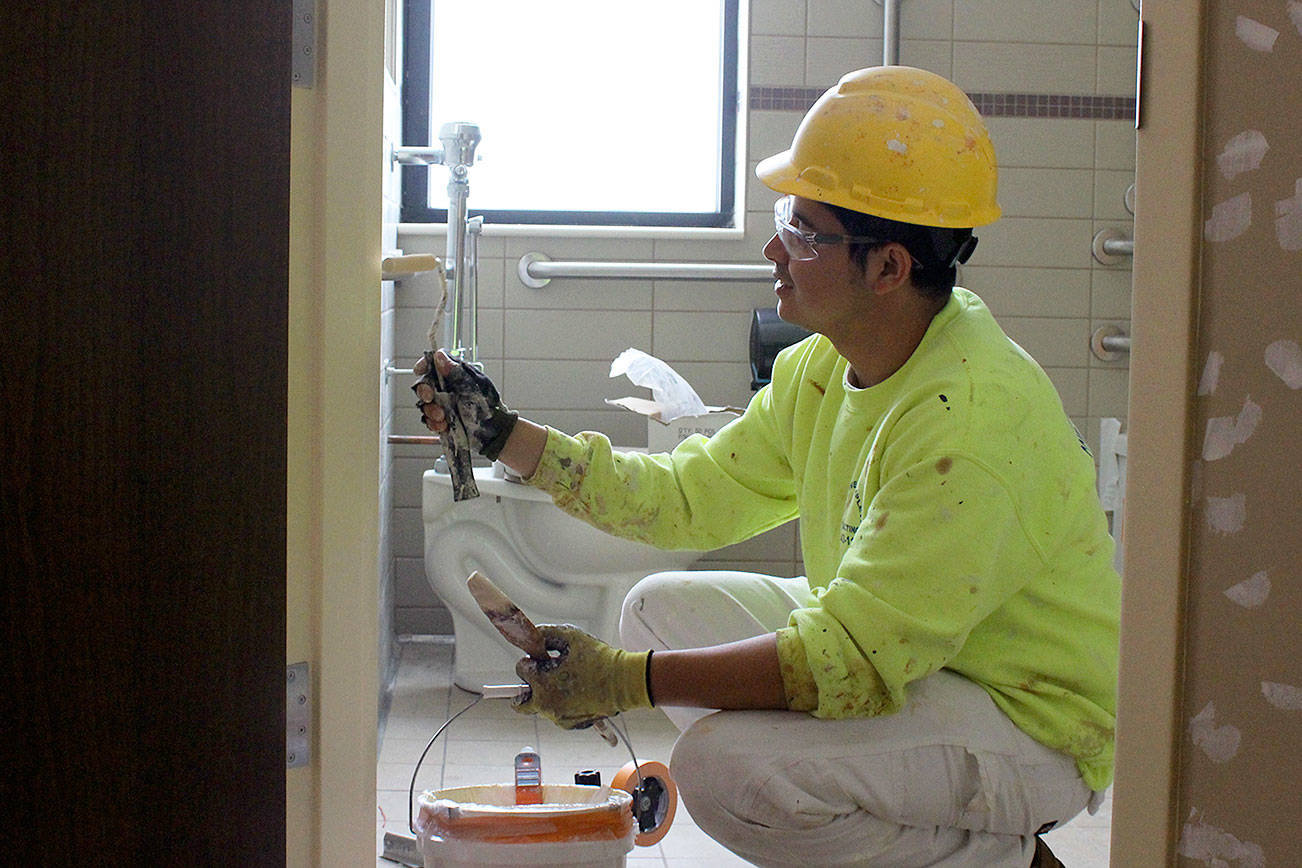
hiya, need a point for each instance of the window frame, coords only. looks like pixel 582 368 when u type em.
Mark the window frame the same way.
pixel 417 132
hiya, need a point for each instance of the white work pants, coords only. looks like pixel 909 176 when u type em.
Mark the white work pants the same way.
pixel 948 781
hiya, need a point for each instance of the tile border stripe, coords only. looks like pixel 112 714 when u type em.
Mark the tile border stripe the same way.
pixel 991 105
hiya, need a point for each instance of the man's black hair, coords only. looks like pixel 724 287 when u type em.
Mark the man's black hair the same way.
pixel 939 251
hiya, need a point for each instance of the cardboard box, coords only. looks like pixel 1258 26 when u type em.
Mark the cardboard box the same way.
pixel 662 437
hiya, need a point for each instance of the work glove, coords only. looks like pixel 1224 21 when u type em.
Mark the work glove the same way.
pixel 465 394
pixel 585 681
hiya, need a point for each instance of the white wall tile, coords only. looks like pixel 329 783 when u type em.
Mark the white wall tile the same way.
pixel 1110 290
pixel 1116 70
pixel 777 17
pixel 1036 242
pixel 574 293
pixel 844 18
pixel 574 334
pixel 830 57
pixel 931 55
pixel 1008 67
pixel 1114 145
pixel 1046 192
pixel 1110 197
pixel 1109 392
pixel 1030 292
pixel 1057 143
pixel 1061 21
pixel 1118 23
pixel 777 60
pixel 927 19
pixel 553 385
pixel 679 295
pixel 702 337
pixel 770 132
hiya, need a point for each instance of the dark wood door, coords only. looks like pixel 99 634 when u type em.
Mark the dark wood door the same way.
pixel 144 171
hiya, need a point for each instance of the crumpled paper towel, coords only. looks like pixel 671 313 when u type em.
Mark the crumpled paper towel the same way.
pixel 672 397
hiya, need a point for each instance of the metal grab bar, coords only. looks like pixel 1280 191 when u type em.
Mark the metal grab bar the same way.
pixel 1109 343
pixel 1110 246
pixel 536 270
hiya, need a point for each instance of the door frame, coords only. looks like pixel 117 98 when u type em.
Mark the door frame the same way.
pixel 335 378
pixel 1168 233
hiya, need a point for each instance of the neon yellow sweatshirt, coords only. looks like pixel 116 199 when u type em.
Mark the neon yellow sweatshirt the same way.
pixel 948 519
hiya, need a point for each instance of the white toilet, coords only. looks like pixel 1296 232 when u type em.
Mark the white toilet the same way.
pixel 556 568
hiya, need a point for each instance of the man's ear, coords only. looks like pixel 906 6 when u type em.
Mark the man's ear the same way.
pixel 894 268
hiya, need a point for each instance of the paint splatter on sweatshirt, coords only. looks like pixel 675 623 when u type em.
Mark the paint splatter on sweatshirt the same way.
pixel 948 519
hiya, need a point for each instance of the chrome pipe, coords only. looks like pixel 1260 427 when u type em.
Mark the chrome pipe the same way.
pixel 459 143
pixel 890 32
pixel 536 270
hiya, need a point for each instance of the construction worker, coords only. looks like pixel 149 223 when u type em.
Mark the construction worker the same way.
pixel 939 689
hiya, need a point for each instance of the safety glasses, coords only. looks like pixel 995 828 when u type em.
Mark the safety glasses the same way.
pixel 801 245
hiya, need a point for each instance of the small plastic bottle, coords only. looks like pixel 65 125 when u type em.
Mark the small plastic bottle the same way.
pixel 528 777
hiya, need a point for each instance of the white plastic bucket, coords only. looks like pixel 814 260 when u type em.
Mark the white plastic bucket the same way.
pixel 483 827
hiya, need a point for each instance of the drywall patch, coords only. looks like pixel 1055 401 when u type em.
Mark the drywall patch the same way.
pixel 1226 515
pixel 1225 432
pixel 1211 373
pixel 1285 359
pixel 1286 696
pixel 1250 593
pixel 1243 153
pixel 1288 220
pixel 1229 219
pixel 1254 34
pixel 1216 847
pixel 1220 743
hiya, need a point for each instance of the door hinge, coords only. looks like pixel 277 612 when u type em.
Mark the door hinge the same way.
pixel 303 62
pixel 298 715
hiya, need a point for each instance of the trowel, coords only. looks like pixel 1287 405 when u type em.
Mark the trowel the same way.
pixel 516 628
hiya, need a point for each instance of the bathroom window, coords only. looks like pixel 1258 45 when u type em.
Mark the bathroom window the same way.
pixel 591 112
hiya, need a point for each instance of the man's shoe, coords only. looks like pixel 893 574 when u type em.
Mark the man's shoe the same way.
pixel 1044 857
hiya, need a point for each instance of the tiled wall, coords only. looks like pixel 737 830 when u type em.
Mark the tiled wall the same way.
pixel 1055 79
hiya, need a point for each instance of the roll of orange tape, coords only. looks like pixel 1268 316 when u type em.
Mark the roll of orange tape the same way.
pixel 659 798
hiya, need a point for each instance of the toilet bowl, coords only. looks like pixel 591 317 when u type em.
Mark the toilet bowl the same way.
pixel 555 567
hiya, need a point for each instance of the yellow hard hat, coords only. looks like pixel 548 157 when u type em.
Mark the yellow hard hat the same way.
pixel 895 142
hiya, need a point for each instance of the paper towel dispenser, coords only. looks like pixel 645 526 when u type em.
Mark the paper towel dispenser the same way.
pixel 769 335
